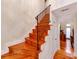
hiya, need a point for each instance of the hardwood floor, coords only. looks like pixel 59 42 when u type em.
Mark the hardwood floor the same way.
pixel 62 54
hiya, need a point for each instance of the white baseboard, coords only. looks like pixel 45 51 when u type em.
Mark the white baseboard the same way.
pixel 4 51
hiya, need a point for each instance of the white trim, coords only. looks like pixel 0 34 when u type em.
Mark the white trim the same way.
pixel 57 7
pixel 6 50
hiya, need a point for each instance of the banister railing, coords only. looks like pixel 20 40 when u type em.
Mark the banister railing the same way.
pixel 39 18
pixel 43 13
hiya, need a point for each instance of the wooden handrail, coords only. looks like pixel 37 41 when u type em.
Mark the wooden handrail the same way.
pixel 42 12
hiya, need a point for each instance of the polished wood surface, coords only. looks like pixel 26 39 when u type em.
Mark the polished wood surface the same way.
pixel 62 54
pixel 31 48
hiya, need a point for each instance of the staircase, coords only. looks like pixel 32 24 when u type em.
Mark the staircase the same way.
pixel 31 48
pixel 37 37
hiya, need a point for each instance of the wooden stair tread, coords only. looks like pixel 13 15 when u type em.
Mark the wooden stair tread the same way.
pixel 40 35
pixel 40 30
pixel 35 41
pixel 43 23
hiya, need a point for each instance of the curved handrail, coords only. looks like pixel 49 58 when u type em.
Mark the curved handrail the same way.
pixel 44 11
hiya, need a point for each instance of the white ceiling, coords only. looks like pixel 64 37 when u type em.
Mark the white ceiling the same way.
pixel 66 14
pixel 55 4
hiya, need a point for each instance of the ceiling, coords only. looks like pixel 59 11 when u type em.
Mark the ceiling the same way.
pixel 66 14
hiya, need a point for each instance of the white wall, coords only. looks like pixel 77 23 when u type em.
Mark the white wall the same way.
pixel 75 34
pixel 18 19
pixel 55 36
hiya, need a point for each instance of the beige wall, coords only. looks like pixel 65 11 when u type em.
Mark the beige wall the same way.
pixel 18 19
